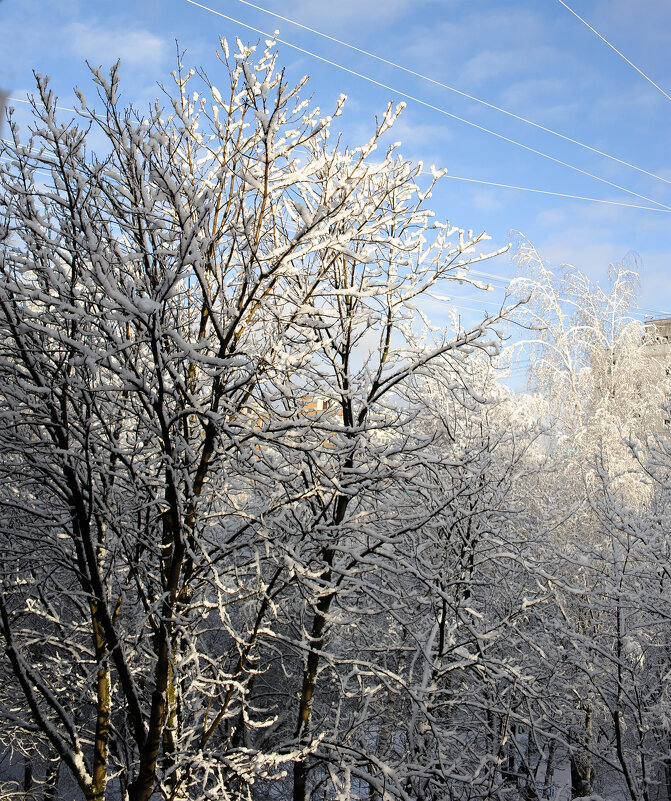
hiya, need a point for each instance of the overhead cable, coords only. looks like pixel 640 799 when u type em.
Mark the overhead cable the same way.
pixel 490 276
pixel 35 169
pixel 653 311
pixel 428 105
pixel 612 47
pixel 508 279
pixel 665 210
pixel 662 206
pixel 455 90
pixel 60 108
pixel 527 189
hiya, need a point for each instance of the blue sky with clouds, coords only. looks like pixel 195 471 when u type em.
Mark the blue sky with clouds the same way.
pixel 532 57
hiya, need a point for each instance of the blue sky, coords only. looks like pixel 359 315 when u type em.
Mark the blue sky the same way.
pixel 532 57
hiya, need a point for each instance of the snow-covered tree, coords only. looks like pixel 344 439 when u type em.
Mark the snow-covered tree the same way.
pixel 206 340
pixel 603 385
pixel 590 356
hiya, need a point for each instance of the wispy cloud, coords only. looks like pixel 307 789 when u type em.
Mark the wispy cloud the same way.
pixel 593 232
pixel 420 140
pixel 488 200
pixel 548 101
pixel 349 16
pixel 650 17
pixel 106 45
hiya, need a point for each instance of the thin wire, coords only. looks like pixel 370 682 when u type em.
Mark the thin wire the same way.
pixel 612 47
pixel 459 297
pixel 492 276
pixel 60 108
pixel 665 210
pixel 428 105
pixel 663 207
pixel 480 299
pixel 654 311
pixel 508 279
pixel 35 169
pixel 10 142
pixel 458 306
pixel 528 189
pixel 505 279
pixel 455 90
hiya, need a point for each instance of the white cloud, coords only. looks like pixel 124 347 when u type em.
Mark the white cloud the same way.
pixel 488 200
pixel 538 93
pixel 650 18
pixel 420 141
pixel 106 45
pixel 489 64
pixel 349 16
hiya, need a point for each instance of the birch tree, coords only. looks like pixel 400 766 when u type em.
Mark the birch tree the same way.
pixel 604 385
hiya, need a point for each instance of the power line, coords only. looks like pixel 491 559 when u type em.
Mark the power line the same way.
pixel 653 311
pixel 505 279
pixel 428 105
pixel 460 178
pixel 665 210
pixel 455 90
pixel 461 307
pixel 663 207
pixel 479 300
pixel 34 169
pixel 60 108
pixel 612 47
pixel 518 188
pixel 508 279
